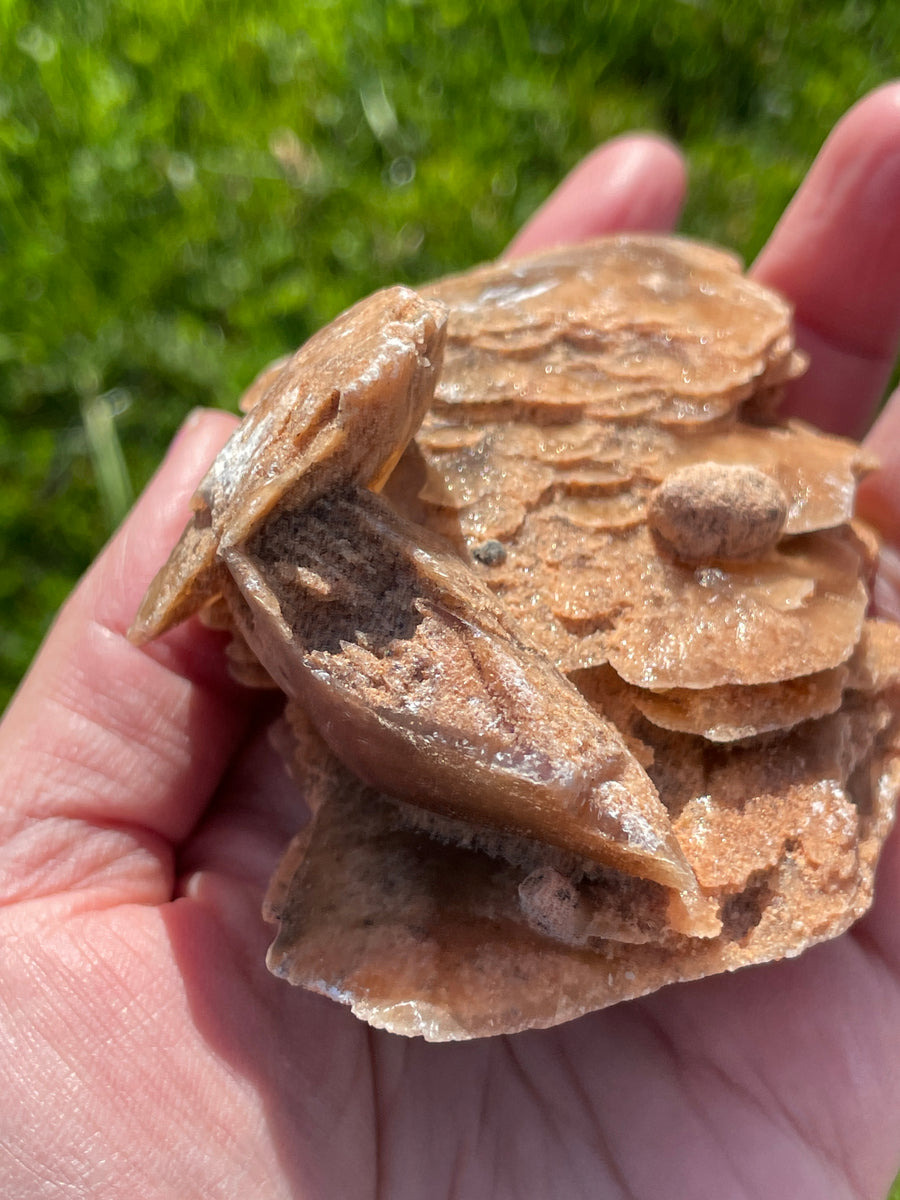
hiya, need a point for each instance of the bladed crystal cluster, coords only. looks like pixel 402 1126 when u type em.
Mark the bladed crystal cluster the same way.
pixel 572 626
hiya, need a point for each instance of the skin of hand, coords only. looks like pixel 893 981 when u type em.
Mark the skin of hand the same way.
pixel 147 1053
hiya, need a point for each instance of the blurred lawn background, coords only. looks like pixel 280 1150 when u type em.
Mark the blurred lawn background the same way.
pixel 189 189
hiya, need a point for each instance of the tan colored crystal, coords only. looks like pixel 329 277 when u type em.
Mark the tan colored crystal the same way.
pixel 417 679
pixel 708 511
pixel 818 473
pixel 731 713
pixel 445 952
pixel 797 611
pixel 557 334
pixel 558 752
pixel 343 408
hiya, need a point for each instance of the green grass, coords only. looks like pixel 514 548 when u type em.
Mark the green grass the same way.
pixel 188 189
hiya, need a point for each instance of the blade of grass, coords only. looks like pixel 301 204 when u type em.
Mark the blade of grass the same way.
pixel 110 471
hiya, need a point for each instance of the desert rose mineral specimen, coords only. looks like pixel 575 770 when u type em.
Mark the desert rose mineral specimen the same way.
pixel 581 687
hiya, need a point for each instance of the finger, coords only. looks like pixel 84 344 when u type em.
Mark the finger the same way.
pixel 879 493
pixel 258 809
pixel 878 502
pixel 633 182
pixel 836 253
pixel 103 733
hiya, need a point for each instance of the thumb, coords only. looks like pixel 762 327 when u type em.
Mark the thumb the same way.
pixel 103 735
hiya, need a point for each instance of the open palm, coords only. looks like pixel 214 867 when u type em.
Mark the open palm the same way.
pixel 145 1050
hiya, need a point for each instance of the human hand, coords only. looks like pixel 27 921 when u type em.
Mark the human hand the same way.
pixel 148 1053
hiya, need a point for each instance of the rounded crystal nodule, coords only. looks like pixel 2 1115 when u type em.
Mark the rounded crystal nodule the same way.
pixel 712 510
